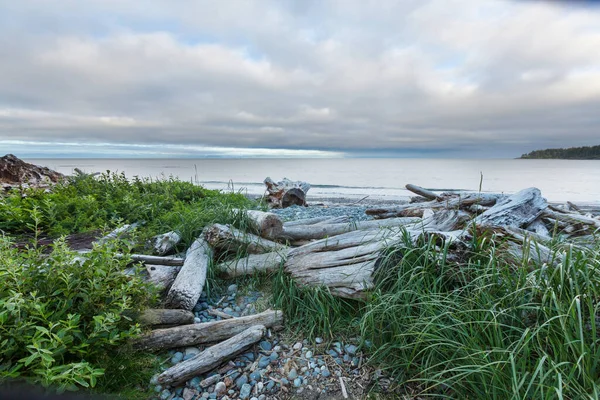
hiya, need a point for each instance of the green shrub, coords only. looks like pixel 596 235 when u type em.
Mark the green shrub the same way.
pixel 61 312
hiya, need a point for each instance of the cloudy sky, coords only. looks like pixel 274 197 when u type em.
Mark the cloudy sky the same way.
pixel 309 78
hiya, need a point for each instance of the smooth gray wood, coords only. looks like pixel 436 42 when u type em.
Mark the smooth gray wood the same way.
pixel 161 276
pixel 318 231
pixel 228 238
pixel 209 332
pixel 156 260
pixel 518 210
pixel 188 286
pixel 212 357
pixel 266 224
pixel 428 194
pixel 306 221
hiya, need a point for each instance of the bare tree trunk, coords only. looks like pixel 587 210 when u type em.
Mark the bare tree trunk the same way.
pixel 188 285
pixel 428 194
pixel 252 264
pixel 228 238
pixel 165 318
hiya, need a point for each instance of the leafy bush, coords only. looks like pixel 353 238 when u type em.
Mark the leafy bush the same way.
pixel 60 313
pixel 86 203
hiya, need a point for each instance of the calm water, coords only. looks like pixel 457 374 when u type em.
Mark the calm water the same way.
pixel 559 180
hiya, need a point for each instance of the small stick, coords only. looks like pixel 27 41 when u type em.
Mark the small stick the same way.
pixel 344 393
pixel 221 314
pixel 356 202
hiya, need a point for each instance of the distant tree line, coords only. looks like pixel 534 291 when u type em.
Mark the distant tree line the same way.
pixel 572 153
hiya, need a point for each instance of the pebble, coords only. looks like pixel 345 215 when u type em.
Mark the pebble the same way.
pixel 265 345
pixel 325 373
pixel 298 382
pixel 351 349
pixel 241 381
pixel 245 391
pixel 260 386
pixel 274 356
pixel 297 346
pixel 191 351
pixel 318 340
pixel 197 320
pixel 195 382
pixel 262 397
pixel 284 381
pixel 293 374
pixel 308 354
pixel 264 362
pixel 255 376
pixel 165 394
pixel 232 289
pixel 177 357
pixel 220 388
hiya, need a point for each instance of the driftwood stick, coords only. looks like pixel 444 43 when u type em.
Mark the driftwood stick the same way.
pixel 428 194
pixel 171 261
pixel 572 218
pixel 165 318
pixel 209 332
pixel 212 357
pixel 228 238
pixel 188 285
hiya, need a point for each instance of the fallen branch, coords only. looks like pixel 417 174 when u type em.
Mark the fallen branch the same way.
pixel 165 318
pixel 188 285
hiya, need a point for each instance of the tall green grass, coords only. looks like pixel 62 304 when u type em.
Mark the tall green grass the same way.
pixel 483 328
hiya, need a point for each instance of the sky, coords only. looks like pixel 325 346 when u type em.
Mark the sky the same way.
pixel 297 78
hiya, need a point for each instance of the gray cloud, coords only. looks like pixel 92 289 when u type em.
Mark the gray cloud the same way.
pixel 459 77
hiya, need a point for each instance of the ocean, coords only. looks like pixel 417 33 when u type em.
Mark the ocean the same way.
pixel 381 179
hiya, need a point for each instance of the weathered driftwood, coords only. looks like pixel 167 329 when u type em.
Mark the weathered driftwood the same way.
pixel 318 231
pixel 538 227
pixel 155 260
pixel 286 193
pixel 266 224
pixel 428 194
pixel 165 318
pixel 306 221
pixel 212 357
pixel 188 285
pixel 161 276
pixel 572 218
pixel 455 200
pixel 228 238
pixel 165 243
pixel 252 264
pixel 209 332
pixel 518 210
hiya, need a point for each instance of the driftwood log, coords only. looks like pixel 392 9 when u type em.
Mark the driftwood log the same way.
pixel 188 286
pixel 161 276
pixel 165 243
pixel 266 224
pixel 518 210
pixel 165 318
pixel 212 357
pixel 208 332
pixel 228 238
pixel 155 260
pixel 285 193
pixel 318 231
pixel 428 194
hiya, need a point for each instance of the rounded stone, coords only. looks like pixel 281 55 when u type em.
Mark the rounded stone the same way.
pixel 308 354
pixel 297 346
pixel 298 382
pixel 318 340
pixel 241 381
pixel 293 374
pixel 220 388
pixel 265 345
pixel 245 391
pixel 232 289
pixel 325 373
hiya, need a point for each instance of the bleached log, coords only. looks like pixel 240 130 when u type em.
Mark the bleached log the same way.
pixel 228 238
pixel 321 231
pixel 428 194
pixel 518 210
pixel 267 225
pixel 119 233
pixel 460 200
pixel 572 218
pixel 286 193
pixel 161 276
pixel 212 357
pixel 254 263
pixel 188 285
pixel 443 220
pixel 209 332
pixel 165 243
pixel 165 318
pixel 305 221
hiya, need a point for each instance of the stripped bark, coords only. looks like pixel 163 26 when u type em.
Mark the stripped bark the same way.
pixel 212 357
pixel 209 332
pixel 188 285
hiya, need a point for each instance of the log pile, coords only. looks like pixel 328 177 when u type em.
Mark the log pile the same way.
pixel 285 193
pixel 341 255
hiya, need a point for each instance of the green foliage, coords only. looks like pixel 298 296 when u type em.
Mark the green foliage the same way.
pixel 484 329
pixel 86 203
pixel 60 312
pixel 572 153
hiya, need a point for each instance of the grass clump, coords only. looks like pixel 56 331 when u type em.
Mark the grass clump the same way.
pixel 482 328
pixel 60 313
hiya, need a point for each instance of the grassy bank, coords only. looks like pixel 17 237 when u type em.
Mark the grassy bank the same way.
pixel 473 326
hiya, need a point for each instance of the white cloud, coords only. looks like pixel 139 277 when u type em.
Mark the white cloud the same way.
pixel 499 76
